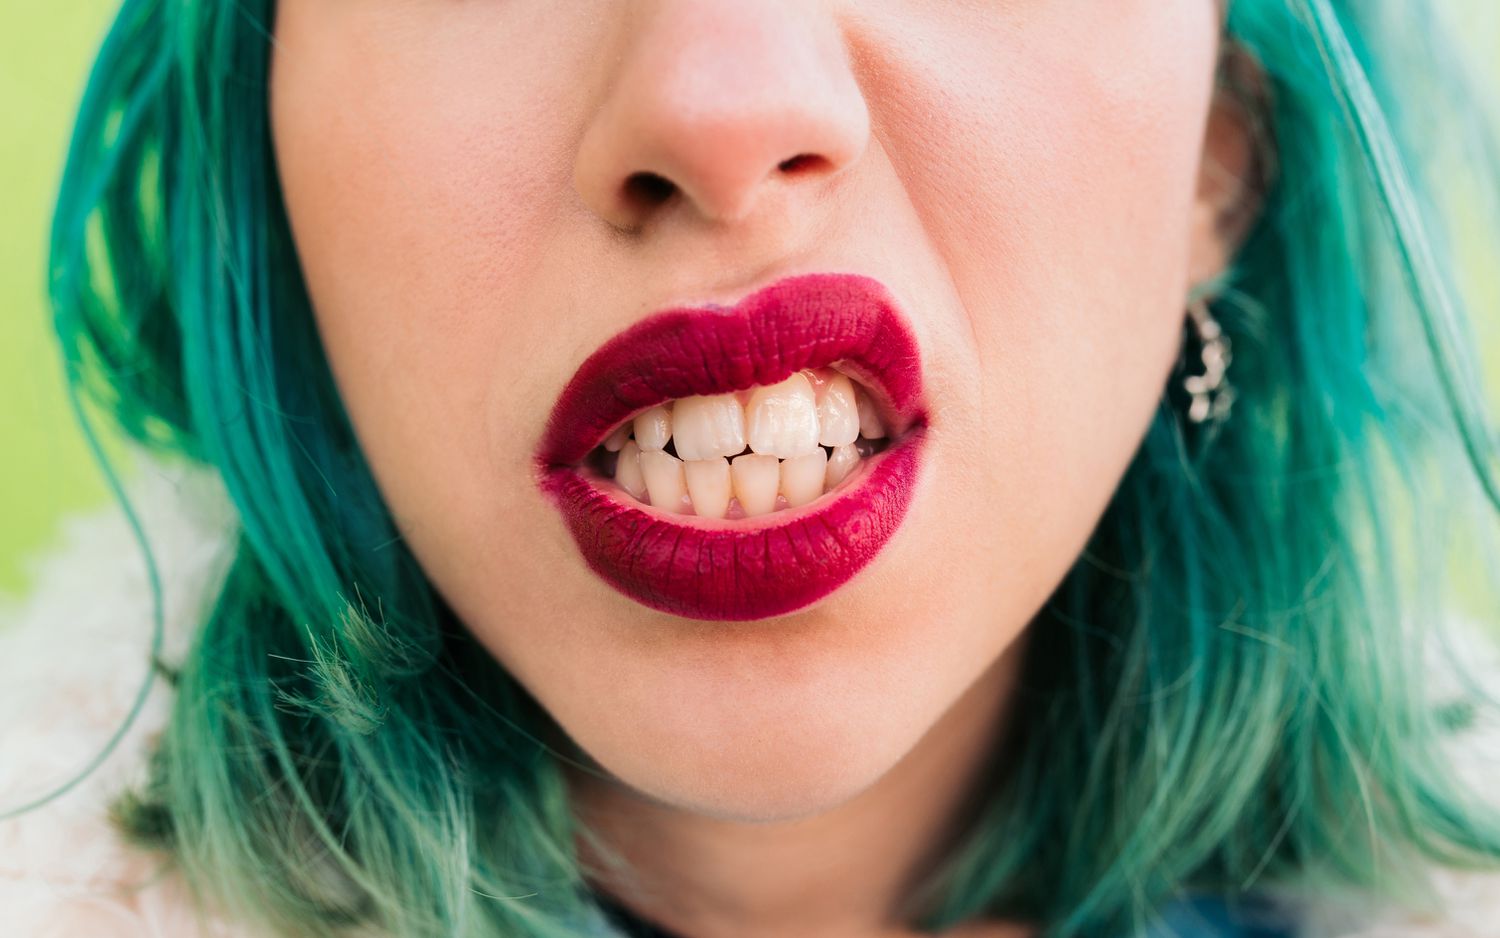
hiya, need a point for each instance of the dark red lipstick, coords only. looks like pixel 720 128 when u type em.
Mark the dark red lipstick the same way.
pixel 750 568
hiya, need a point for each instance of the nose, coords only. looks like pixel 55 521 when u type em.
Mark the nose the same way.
pixel 718 101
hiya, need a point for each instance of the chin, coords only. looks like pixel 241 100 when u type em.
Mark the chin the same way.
pixel 756 780
pixel 760 744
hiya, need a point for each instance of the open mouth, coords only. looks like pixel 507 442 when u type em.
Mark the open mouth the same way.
pixel 741 462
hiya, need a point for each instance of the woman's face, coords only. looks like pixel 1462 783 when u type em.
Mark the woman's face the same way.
pixel 1022 177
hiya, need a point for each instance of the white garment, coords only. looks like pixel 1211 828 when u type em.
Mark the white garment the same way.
pixel 74 656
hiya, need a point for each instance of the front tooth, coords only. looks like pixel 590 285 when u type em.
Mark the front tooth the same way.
pixel 628 470
pixel 819 378
pixel 653 429
pixel 704 427
pixel 782 419
pixel 664 480
pixel 802 477
pixel 870 426
pixel 840 464
pixel 708 485
pixel 838 413
pixel 754 478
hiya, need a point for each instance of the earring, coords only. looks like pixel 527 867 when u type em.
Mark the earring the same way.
pixel 1211 393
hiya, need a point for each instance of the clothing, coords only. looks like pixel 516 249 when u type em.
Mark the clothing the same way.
pixel 73 658
pixel 1204 917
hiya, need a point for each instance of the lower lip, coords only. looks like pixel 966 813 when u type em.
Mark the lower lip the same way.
pixel 735 571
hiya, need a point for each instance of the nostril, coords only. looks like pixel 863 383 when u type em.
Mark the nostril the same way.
pixel 649 188
pixel 798 163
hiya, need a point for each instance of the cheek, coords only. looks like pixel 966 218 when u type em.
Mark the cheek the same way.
pixel 422 212
pixel 1057 181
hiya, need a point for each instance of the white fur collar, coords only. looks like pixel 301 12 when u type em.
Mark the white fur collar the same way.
pixel 75 651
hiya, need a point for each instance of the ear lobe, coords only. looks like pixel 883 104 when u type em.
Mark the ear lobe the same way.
pixel 1239 162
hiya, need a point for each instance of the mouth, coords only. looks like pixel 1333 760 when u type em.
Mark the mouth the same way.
pixel 735 463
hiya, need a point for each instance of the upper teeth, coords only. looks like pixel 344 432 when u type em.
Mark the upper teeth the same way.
pixel 705 427
pixel 792 421
pixel 783 418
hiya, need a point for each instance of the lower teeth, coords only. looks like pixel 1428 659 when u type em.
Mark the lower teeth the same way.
pixel 742 486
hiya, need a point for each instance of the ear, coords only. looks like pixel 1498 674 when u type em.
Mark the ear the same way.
pixel 1238 167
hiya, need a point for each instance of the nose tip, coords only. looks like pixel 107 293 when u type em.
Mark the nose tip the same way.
pixel 714 103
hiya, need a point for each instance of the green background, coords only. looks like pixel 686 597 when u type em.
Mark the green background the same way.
pixel 46 47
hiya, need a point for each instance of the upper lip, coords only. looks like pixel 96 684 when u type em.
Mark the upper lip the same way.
pixel 802 321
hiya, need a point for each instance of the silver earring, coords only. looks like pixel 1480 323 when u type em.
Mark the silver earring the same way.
pixel 1211 393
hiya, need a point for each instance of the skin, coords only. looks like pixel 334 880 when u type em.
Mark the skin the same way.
pixel 1038 182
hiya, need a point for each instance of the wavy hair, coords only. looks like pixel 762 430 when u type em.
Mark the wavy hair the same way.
pixel 1221 695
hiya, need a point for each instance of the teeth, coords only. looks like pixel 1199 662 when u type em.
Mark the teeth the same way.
pixel 838 413
pixel 818 378
pixel 653 429
pixel 754 477
pixel 870 426
pixel 840 464
pixel 802 477
pixel 617 439
pixel 805 435
pixel 708 484
pixel 782 419
pixel 628 470
pixel 704 427
pixel 664 480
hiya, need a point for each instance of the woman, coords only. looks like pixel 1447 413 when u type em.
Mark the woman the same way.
pixel 833 469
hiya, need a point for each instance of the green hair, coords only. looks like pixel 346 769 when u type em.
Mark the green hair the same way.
pixel 1220 696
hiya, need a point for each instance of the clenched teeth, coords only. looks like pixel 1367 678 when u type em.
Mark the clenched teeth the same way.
pixel 747 453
